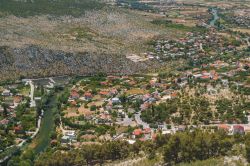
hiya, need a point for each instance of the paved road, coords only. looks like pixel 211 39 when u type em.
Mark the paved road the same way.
pixel 32 89
pixel 140 122
pixel 126 121
pixel 52 80
pixel 118 137
pixel 63 130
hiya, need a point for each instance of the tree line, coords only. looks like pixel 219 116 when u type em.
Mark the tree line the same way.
pixel 182 147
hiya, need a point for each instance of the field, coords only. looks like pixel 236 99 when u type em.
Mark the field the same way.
pixel 243 30
pixel 136 91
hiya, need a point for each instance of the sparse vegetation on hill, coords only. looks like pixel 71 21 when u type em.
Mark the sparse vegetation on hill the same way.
pixel 107 31
pixel 26 8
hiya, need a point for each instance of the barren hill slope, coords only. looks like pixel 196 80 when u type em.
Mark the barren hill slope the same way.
pixel 101 31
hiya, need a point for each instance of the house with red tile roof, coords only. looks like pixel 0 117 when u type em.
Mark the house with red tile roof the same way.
pixel 88 95
pixel 104 83
pixel 144 106
pixel 142 139
pixel 74 94
pixel 146 97
pixel 137 133
pixel 147 131
pixel 205 77
pixel 152 82
pixel 105 116
pixel 174 95
pixel 104 93
pixel 18 129
pixel 113 92
pixel 238 129
pixel 224 127
pixel 17 99
pixel 4 122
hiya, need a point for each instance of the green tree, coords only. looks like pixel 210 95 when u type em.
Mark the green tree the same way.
pixel 247 145
pixel 172 149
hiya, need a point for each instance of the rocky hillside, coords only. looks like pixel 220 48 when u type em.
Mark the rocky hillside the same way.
pixel 33 61
pixel 73 37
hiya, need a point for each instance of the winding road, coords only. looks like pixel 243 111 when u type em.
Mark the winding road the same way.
pixel 140 122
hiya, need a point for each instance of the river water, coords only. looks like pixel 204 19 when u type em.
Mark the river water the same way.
pixel 42 139
pixel 215 17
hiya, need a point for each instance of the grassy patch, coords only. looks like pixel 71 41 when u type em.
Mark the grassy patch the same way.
pixel 25 91
pixel 180 27
pixel 83 33
pixel 136 91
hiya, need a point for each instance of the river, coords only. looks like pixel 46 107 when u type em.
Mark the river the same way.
pixel 42 139
pixel 215 17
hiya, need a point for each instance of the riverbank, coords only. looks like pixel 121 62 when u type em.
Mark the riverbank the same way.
pixel 42 140
pixel 39 143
